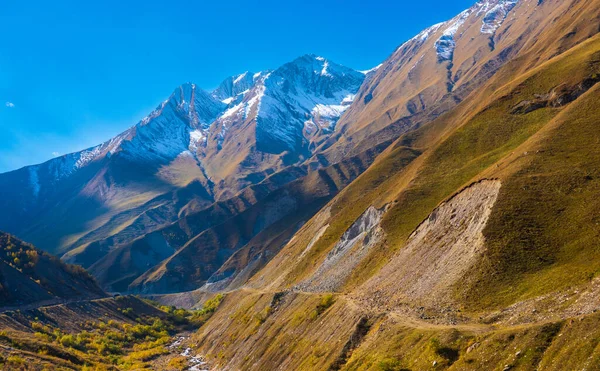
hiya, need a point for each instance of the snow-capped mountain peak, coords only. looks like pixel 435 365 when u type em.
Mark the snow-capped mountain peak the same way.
pixel 308 92
pixel 286 105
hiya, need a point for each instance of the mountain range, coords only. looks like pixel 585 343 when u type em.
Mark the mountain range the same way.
pixel 438 211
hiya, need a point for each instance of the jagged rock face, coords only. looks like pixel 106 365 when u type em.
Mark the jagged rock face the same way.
pixel 309 88
pixel 347 254
pixel 233 87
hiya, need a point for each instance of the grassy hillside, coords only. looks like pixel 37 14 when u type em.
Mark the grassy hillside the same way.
pixel 123 333
pixel 29 276
pixel 527 297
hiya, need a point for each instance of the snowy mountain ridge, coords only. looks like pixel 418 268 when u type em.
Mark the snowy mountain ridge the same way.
pixel 308 92
pixel 289 104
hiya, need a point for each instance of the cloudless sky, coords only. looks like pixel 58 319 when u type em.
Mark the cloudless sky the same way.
pixel 74 73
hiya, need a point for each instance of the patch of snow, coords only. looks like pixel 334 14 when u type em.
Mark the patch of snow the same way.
pixel 310 126
pixel 366 72
pixel 324 70
pixel 326 115
pixel 255 101
pixel 227 100
pixel 329 111
pixel 240 77
pixel 34 180
pixel 445 45
pixel 232 111
pixel 154 113
pixel 348 99
pixel 495 15
pixel 423 35
pixel 197 137
pixel 113 145
pixel 87 156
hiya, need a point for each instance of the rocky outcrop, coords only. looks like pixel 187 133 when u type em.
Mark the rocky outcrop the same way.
pixel 440 250
pixel 558 97
pixel 354 246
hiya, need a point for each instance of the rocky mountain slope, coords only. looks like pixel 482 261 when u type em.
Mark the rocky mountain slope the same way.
pixel 437 69
pixel 440 212
pixel 483 38
pixel 29 276
pixel 469 243
pixel 205 164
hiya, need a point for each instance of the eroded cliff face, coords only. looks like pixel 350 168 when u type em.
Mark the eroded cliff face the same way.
pixel 439 252
pixel 348 252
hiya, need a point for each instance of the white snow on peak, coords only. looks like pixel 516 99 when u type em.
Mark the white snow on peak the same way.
pixel 445 45
pixel 348 99
pixel 495 14
pixel 240 77
pixel 227 100
pixel 113 145
pixel 320 58
pixel 366 72
pixel 154 113
pixel 255 101
pixel 197 137
pixel 231 112
pixel 325 66
pixel 89 155
pixel 423 35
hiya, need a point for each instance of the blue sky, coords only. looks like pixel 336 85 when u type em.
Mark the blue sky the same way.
pixel 76 73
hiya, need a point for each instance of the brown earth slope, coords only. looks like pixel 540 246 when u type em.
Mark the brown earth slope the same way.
pixel 485 252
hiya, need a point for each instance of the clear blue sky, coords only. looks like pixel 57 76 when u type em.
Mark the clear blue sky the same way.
pixel 78 72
